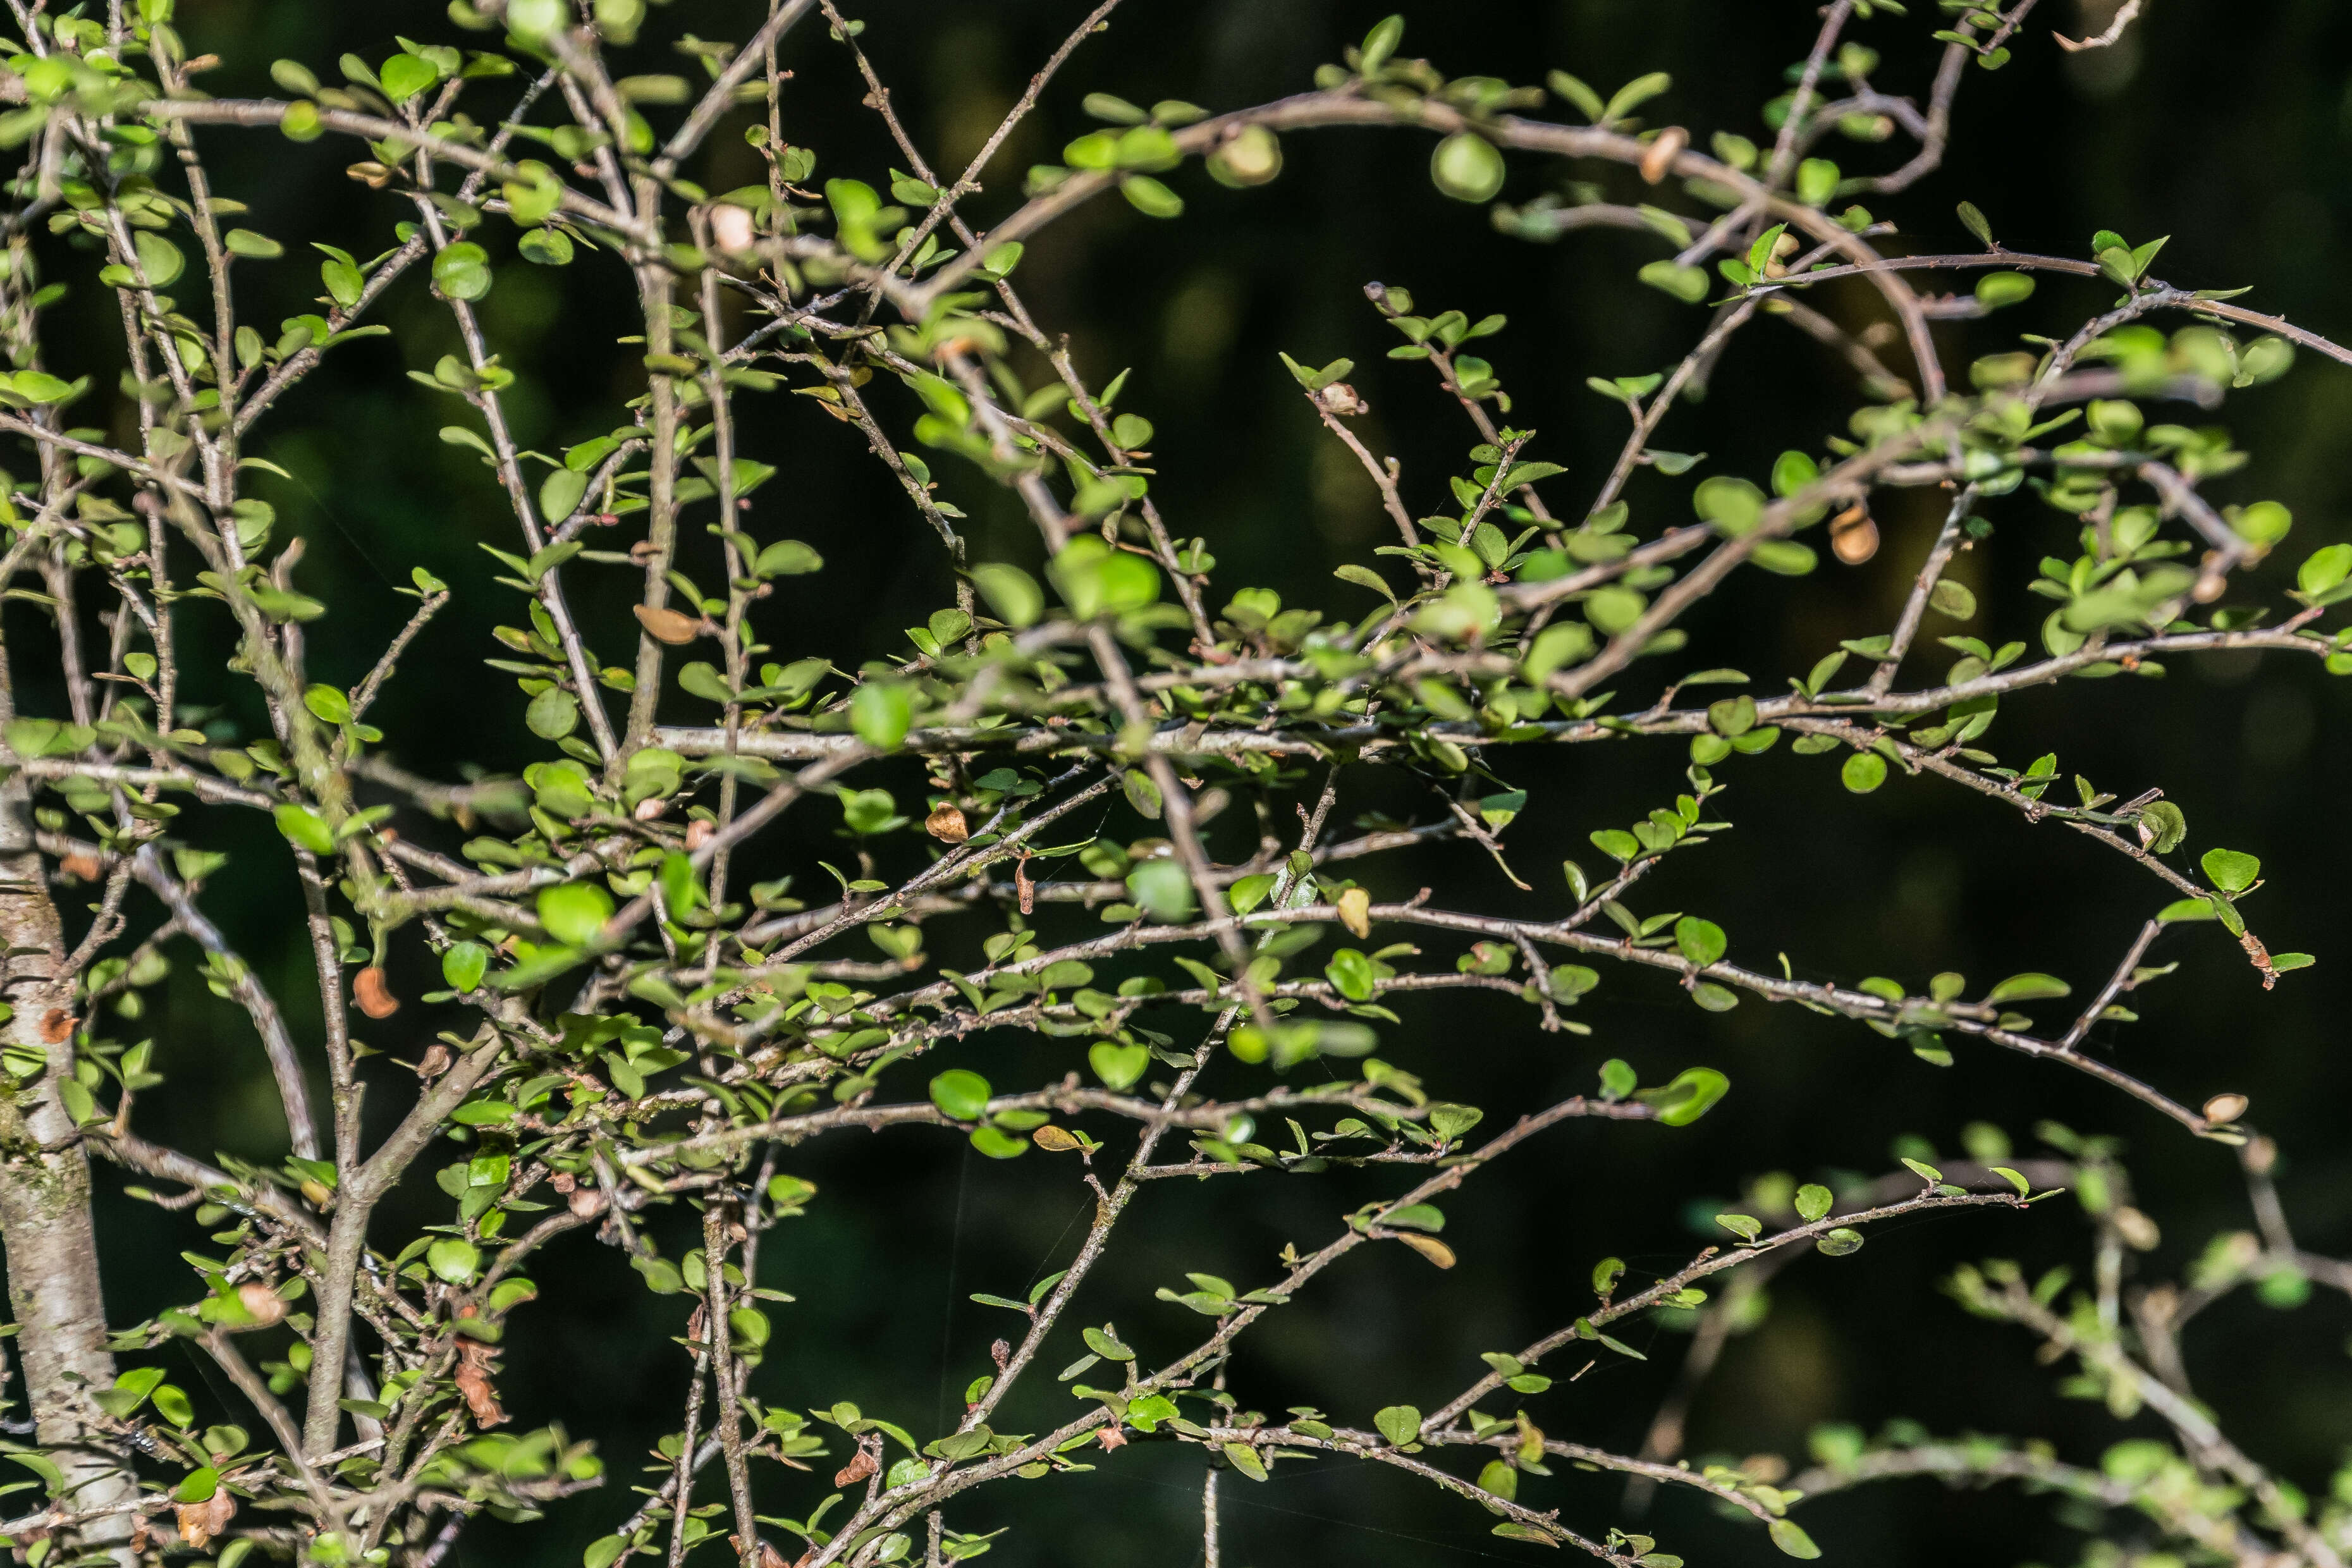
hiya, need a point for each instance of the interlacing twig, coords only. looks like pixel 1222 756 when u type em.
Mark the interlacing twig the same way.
pixel 621 1021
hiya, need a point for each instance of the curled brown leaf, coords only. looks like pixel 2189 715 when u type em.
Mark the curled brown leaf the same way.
pixel 475 1362
pixel 374 997
pixel 1664 148
pixel 1429 1246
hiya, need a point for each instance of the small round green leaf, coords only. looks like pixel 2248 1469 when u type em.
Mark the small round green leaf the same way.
pixel 881 713
pixel 1351 973
pixel 960 1094
pixel 1863 772
pixel 462 271
pixel 1162 887
pixel 2231 871
pixel 1012 592
pixel 405 76
pixel 159 259
pixel 998 1145
pixel 327 705
pixel 464 965
pixel 545 248
pixel 454 1259
pixel 306 829
pixel 552 714
pixel 1692 1094
pixel 1467 167
pixel 1150 197
pixel 2028 987
pixel 560 493
pixel 574 912
pixel 1700 941
pixel 1118 1066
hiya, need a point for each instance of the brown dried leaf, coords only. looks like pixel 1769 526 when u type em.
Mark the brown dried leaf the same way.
pixel 1429 1246
pixel 1342 400
pixel 86 867
pixel 200 1522
pixel 2225 1107
pixel 262 1303
pixel 947 824
pixel 731 227
pixel 475 1360
pixel 768 1556
pixel 1659 160
pixel 1023 885
pixel 2260 956
pixel 862 1466
pixel 1853 537
pixel 56 1025
pixel 1056 1139
pixel 669 626
pixel 1356 911
pixel 375 998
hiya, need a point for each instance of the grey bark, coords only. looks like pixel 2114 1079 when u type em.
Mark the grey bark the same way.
pixel 46 1225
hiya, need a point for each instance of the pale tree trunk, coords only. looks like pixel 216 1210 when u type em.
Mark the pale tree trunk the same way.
pixel 45 1224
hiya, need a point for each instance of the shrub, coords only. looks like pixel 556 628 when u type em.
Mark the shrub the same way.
pixel 1127 779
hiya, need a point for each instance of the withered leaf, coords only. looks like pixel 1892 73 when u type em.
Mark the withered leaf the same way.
pixel 201 1521
pixel 669 626
pixel 263 1304
pixel 475 1360
pixel 374 997
pixel 1429 1246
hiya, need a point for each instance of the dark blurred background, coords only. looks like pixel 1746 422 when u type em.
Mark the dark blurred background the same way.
pixel 2224 125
